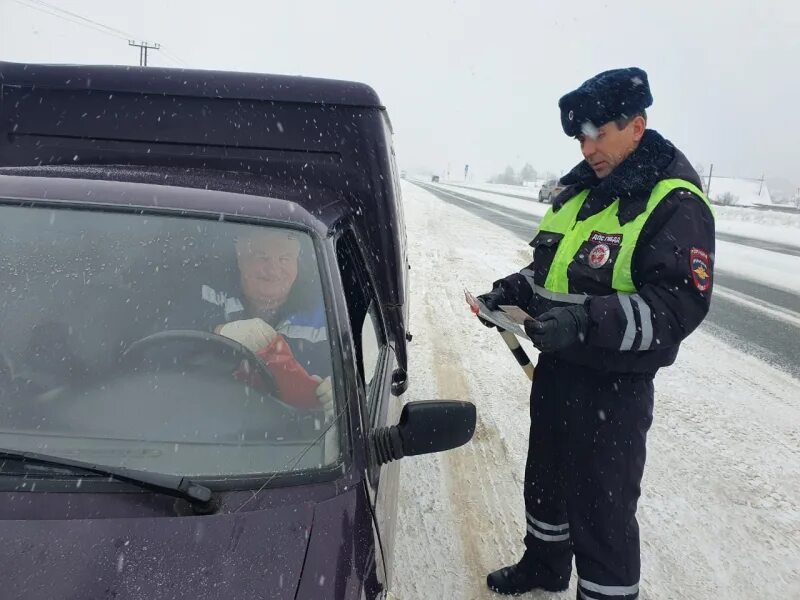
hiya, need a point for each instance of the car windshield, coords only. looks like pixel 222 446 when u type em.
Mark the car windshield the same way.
pixel 176 345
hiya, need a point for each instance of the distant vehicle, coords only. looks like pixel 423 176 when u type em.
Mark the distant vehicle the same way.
pixel 143 455
pixel 403 174
pixel 550 190
pixel 435 179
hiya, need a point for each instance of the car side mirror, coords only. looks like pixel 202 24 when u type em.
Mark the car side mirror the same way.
pixel 425 427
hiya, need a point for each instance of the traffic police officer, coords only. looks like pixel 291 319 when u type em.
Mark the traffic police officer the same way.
pixel 621 274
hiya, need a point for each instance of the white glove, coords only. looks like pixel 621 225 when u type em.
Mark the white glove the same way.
pixel 325 395
pixel 253 334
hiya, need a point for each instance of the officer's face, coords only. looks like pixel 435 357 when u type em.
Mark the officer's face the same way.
pixel 268 267
pixel 611 145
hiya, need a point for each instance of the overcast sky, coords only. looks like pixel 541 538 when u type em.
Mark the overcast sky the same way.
pixel 478 81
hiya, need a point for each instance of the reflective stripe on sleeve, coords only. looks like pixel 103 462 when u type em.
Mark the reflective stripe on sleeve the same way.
pixel 647 322
pixel 630 326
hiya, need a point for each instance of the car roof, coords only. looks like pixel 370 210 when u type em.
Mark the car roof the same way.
pixel 165 191
pixel 199 83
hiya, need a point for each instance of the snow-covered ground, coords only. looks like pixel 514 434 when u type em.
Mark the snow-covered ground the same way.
pixel 772 226
pixel 745 192
pixel 763 266
pixel 757 217
pixel 720 512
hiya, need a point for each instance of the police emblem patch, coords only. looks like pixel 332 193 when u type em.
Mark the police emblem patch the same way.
pixel 700 266
pixel 599 256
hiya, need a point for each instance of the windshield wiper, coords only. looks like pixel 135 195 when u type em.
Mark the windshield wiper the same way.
pixel 172 485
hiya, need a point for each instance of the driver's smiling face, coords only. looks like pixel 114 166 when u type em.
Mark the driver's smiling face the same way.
pixel 268 267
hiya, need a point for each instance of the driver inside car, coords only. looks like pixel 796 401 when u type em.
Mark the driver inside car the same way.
pixel 276 316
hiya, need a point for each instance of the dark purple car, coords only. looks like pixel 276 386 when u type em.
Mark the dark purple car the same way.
pixel 146 452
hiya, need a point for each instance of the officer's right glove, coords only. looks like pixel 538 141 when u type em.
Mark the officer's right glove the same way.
pixel 492 301
pixel 558 328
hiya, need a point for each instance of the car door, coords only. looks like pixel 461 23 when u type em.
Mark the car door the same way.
pixel 376 363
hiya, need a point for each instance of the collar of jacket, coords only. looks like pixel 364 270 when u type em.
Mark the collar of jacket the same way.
pixel 632 181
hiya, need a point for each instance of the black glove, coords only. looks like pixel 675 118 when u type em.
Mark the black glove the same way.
pixel 558 328
pixel 492 300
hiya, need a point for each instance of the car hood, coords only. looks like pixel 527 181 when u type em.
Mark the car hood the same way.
pixel 239 555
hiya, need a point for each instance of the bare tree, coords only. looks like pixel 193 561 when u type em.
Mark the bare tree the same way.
pixel 528 173
pixel 508 177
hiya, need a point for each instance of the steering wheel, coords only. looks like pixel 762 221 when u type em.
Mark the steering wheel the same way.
pixel 217 343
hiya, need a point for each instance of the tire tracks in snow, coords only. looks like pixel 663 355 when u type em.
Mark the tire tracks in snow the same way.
pixel 472 481
pixel 481 486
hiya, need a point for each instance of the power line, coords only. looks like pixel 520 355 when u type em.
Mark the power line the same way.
pixel 82 18
pixel 75 18
pixel 70 20
pixel 174 57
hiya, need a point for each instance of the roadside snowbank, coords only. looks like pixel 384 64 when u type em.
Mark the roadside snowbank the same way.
pixel 763 266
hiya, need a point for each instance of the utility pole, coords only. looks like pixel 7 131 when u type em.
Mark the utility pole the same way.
pixel 761 185
pixel 143 48
pixel 708 187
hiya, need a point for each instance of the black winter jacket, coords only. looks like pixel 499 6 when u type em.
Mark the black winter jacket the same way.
pixel 678 233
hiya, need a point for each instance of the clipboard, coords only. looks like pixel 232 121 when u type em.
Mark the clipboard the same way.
pixel 508 317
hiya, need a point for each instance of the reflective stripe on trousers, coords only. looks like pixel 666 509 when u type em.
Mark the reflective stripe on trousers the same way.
pixel 547 532
pixel 606 592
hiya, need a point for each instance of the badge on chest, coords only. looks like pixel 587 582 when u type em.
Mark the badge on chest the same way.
pixel 599 256
pixel 601 252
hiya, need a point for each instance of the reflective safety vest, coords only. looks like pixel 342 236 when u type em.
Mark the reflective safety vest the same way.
pixel 598 241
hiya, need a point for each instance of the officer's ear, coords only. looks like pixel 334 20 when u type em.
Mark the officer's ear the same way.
pixel 639 125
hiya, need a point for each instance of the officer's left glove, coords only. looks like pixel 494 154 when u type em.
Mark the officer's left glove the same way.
pixel 558 328
pixel 492 300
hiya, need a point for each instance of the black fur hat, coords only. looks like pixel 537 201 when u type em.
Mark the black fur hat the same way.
pixel 605 97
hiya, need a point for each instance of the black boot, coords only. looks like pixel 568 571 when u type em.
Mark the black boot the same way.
pixel 528 574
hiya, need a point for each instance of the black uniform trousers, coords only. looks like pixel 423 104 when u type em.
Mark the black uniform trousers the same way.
pixel 585 463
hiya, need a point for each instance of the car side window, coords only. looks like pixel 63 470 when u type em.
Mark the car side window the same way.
pixel 365 319
pixel 372 343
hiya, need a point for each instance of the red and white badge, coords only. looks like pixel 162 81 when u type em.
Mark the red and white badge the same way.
pixel 599 256
pixel 700 265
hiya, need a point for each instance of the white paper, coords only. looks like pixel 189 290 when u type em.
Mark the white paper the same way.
pixel 499 317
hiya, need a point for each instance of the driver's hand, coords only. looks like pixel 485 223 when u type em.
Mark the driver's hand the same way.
pixel 325 395
pixel 253 334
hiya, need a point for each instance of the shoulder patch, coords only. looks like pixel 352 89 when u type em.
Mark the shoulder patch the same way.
pixel 700 266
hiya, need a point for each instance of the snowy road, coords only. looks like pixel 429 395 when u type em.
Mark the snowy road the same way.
pixel 764 244
pixel 757 294
pixel 720 512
